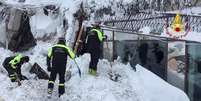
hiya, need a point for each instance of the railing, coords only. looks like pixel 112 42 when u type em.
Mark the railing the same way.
pixel 155 21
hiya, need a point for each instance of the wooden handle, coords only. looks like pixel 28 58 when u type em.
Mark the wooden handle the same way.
pixel 78 39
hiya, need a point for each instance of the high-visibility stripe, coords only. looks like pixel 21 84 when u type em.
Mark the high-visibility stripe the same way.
pixel 49 90
pixel 51 82
pixel 100 34
pixel 13 66
pixel 12 75
pixel 71 53
pixel 49 52
pixel 61 84
pixel 13 78
pixel 15 61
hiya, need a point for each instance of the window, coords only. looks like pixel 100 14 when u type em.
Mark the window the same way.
pixel 194 74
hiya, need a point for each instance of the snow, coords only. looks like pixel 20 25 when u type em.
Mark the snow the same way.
pixel 132 86
pixel 189 11
pixel 154 87
pixel 145 30
pixel 42 25
pixel 191 36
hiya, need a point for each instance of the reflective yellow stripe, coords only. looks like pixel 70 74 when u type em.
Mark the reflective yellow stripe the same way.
pixel 13 78
pixel 49 52
pixel 14 67
pixel 100 34
pixel 51 82
pixel 61 84
pixel 15 61
pixel 12 75
pixel 71 53
pixel 49 90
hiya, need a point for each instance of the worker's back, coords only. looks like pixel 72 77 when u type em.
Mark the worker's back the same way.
pixel 59 56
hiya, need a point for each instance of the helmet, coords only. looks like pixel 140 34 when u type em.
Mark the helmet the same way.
pixel 25 59
pixel 96 24
pixel 61 40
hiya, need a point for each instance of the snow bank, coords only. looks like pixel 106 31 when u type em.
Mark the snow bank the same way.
pixel 157 89
pixel 191 36
pixel 189 11
pixel 132 86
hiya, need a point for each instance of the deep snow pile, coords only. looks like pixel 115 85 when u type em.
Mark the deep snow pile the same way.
pixel 132 86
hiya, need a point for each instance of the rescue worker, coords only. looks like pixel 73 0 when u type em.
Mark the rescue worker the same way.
pixel 159 55
pixel 56 64
pixel 143 51
pixel 93 46
pixel 13 67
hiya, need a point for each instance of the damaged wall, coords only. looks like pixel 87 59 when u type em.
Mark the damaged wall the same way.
pixel 18 32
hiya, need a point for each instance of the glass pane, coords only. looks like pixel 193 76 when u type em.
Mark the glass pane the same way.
pixel 194 71
pixel 176 64
pixel 149 53
pixel 156 57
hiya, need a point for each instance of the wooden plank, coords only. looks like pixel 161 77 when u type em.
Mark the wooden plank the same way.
pixel 78 41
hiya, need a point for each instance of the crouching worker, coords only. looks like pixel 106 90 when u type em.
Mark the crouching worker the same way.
pixel 13 66
pixel 56 62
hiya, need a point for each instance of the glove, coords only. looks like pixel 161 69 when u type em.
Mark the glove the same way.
pixel 49 69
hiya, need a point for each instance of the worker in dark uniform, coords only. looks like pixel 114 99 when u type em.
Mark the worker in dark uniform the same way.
pixel 158 53
pixel 143 50
pixel 93 46
pixel 13 66
pixel 56 62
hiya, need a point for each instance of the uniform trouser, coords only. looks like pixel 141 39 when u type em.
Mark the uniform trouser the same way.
pixel 94 60
pixel 12 72
pixel 61 71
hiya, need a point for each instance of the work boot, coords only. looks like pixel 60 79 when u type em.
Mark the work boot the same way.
pixel 93 72
pixel 49 92
pixel 90 70
pixel 61 89
pixel 50 87
pixel 13 77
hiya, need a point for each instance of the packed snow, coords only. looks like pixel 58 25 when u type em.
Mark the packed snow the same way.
pixel 189 11
pixel 191 36
pixel 132 86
